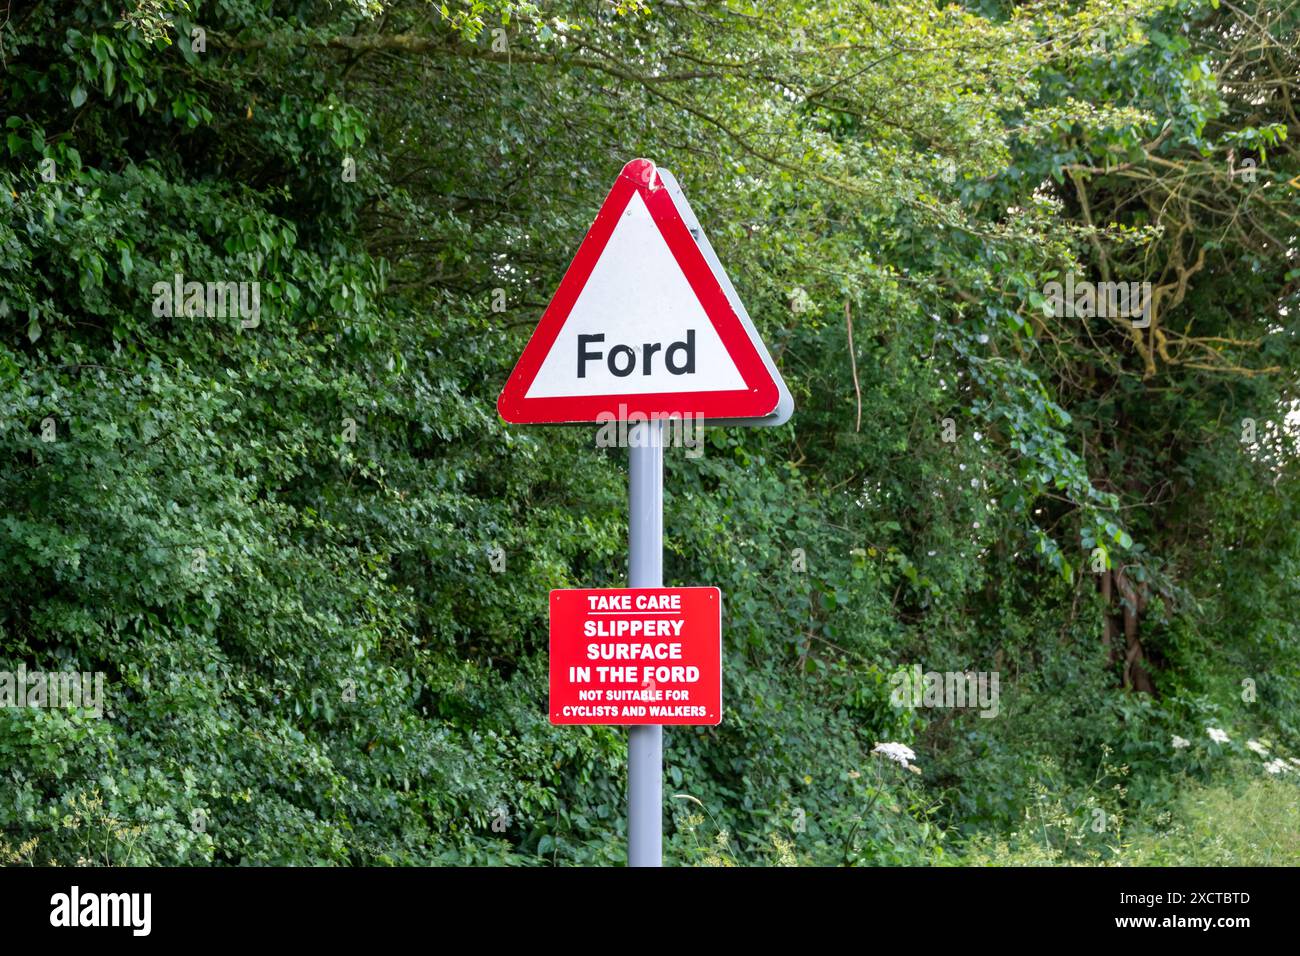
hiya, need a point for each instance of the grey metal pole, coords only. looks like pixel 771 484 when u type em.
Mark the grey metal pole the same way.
pixel 645 569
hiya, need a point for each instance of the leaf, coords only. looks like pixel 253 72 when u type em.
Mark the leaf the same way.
pixel 78 96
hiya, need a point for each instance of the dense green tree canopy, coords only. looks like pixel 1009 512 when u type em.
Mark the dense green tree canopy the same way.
pixel 312 562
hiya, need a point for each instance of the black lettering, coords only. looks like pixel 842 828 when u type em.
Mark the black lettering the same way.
pixel 647 350
pixel 631 360
pixel 583 355
pixel 689 346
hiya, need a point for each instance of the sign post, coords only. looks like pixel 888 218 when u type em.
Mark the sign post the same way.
pixel 644 328
pixel 645 569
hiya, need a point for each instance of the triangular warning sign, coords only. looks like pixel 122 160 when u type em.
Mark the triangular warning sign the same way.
pixel 645 323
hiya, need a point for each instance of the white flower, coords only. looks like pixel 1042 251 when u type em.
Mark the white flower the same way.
pixel 1276 766
pixel 1256 746
pixel 1217 735
pixel 1181 742
pixel 899 753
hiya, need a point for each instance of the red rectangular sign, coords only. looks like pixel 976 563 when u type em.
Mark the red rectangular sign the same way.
pixel 636 656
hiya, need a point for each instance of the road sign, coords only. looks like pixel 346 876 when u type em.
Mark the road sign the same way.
pixel 644 327
pixel 636 656
pixel 645 324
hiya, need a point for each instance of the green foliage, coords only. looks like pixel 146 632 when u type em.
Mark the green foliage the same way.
pixel 279 536
pixel 1251 823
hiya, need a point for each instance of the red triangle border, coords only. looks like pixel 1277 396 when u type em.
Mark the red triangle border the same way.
pixel 758 399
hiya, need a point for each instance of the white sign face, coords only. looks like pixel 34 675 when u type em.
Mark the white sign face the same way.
pixel 637 326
